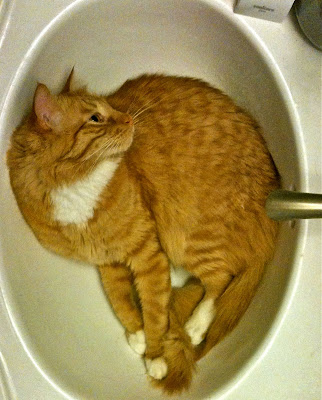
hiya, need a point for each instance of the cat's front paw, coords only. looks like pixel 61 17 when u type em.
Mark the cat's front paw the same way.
pixel 137 341
pixel 157 368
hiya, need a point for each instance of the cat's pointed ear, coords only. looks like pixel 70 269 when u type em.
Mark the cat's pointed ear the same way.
pixel 69 83
pixel 46 109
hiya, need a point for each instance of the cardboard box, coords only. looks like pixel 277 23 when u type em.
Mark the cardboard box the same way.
pixel 272 10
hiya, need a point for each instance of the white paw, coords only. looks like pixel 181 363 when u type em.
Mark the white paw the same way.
pixel 195 332
pixel 137 342
pixel 157 368
pixel 199 322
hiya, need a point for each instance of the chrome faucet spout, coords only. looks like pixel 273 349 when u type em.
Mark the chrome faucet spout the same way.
pixel 286 205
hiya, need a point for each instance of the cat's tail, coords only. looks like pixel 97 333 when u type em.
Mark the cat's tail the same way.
pixel 230 307
pixel 178 350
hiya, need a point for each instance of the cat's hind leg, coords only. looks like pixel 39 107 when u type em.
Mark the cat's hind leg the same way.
pixel 200 320
pixel 215 281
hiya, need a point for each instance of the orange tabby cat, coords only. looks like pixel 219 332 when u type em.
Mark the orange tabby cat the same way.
pixel 164 170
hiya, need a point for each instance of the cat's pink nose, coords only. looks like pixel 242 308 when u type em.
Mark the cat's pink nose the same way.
pixel 128 119
pixel 123 118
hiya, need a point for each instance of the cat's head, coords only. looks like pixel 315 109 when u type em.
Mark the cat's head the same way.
pixel 72 130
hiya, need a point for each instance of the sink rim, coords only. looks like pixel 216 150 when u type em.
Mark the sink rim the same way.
pixel 264 52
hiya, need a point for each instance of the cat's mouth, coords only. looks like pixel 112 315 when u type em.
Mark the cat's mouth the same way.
pixel 124 139
pixel 128 142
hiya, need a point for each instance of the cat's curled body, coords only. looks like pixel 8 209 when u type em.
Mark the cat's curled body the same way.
pixel 164 170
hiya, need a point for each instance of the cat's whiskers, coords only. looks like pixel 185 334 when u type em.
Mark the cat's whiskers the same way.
pixel 133 100
pixel 97 159
pixel 93 153
pixel 82 162
pixel 107 146
pixel 145 107
pixel 148 105
pixel 79 166
pixel 136 96
pixel 139 122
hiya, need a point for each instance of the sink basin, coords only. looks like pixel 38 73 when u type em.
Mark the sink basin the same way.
pixel 57 306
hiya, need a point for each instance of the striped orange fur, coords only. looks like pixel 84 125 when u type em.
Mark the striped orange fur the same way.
pixel 164 170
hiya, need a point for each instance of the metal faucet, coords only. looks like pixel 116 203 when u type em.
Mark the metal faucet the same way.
pixel 285 205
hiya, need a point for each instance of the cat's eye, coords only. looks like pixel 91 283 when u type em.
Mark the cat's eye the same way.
pixel 96 118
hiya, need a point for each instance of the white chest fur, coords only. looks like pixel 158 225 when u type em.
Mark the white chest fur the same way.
pixel 75 203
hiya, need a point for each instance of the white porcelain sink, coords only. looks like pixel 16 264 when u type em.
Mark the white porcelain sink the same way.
pixel 57 306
